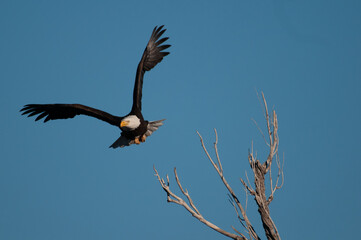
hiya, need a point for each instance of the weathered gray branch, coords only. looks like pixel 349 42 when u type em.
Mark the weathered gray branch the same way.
pixel 171 197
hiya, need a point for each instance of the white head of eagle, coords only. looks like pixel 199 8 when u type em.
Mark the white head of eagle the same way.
pixel 130 123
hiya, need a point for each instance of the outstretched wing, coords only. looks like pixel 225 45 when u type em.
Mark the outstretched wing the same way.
pixel 151 57
pixel 64 111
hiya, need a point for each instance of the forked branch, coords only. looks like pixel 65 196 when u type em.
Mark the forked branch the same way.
pixel 190 207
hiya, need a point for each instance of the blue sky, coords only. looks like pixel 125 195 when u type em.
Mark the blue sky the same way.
pixel 61 181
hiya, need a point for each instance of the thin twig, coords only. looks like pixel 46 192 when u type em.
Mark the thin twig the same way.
pixel 250 190
pixel 267 119
pixel 209 157
pixel 185 193
pixel 260 130
pixel 216 150
pixel 249 183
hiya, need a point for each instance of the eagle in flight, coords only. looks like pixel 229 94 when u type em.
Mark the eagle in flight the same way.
pixel 134 129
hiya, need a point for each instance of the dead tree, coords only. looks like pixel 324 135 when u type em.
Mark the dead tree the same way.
pixel 260 171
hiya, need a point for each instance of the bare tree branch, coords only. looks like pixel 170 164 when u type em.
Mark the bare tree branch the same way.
pixel 191 209
pixel 230 190
pixel 259 169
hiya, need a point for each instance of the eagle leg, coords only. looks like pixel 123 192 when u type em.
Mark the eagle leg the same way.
pixel 136 140
pixel 142 139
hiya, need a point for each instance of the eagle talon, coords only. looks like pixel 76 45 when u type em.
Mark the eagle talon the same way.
pixel 142 139
pixel 136 141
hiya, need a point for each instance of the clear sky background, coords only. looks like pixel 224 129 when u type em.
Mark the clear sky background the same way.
pixel 60 180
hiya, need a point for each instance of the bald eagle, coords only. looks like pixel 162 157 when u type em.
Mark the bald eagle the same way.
pixel 134 129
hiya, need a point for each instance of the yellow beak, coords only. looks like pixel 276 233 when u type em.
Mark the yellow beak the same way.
pixel 123 123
